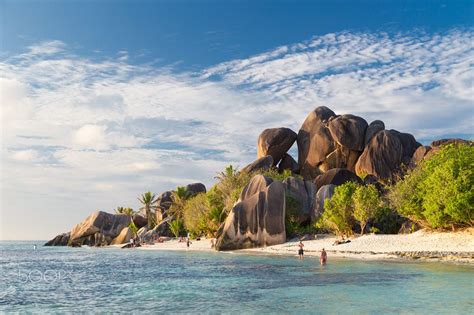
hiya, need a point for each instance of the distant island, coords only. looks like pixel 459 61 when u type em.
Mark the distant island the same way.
pixel 350 178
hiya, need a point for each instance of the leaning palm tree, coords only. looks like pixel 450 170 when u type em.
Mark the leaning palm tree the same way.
pixel 149 200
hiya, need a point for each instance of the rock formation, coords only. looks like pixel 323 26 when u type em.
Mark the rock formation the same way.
pixel 60 240
pixel 373 129
pixel 275 142
pixel 326 141
pixel 194 189
pixel 325 192
pixel 303 192
pixel 381 156
pixel 257 219
pixel 288 163
pixel 263 163
pixel 336 176
pixel 98 229
pixel 124 237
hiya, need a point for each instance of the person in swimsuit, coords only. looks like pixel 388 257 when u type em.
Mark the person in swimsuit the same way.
pixel 324 257
pixel 188 241
pixel 301 251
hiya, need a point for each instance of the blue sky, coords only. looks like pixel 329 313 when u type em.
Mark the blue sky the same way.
pixel 103 100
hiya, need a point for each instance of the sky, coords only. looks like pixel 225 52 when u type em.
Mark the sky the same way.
pixel 103 100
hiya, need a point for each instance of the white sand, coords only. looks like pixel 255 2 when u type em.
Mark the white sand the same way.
pixel 455 247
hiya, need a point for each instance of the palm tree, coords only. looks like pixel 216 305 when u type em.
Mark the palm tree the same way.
pixel 124 210
pixel 149 200
pixel 179 197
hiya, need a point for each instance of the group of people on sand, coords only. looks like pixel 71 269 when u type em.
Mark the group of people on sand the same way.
pixel 322 259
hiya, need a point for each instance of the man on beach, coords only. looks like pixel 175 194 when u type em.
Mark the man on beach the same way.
pixel 301 251
pixel 324 257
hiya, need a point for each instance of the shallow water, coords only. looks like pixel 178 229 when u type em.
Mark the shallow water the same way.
pixel 59 279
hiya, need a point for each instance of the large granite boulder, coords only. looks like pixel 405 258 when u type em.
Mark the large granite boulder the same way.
pixel 263 163
pixel 98 229
pixel 124 237
pixel 59 240
pixel 326 141
pixel 325 192
pixel 373 129
pixel 163 203
pixel 336 176
pixel 303 192
pixel 348 131
pixel 139 220
pixel 275 142
pixel 256 220
pixel 381 157
pixel 314 141
pixel 288 163
pixel 419 155
pixel 194 189
pixel 409 145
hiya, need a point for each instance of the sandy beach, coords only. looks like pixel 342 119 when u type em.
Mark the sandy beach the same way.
pixel 424 245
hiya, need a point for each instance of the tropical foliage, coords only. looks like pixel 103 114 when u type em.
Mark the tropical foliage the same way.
pixel 367 205
pixel 149 200
pixel 439 192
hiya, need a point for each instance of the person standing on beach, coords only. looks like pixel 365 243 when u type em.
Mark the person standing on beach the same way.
pixel 188 242
pixel 324 257
pixel 301 251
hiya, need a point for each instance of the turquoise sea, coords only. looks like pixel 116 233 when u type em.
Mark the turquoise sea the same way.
pixel 59 279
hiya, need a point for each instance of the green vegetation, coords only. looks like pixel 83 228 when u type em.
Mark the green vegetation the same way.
pixel 123 210
pixel 149 200
pixel 338 211
pixel 366 205
pixel 351 203
pixel 438 193
pixel 176 227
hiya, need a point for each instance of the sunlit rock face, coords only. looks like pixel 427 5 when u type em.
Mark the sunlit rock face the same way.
pixel 327 141
pixel 275 142
pixel 257 219
pixel 98 229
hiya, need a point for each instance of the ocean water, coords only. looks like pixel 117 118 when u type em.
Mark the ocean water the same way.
pixel 59 279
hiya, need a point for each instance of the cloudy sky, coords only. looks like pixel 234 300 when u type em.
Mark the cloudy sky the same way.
pixel 101 100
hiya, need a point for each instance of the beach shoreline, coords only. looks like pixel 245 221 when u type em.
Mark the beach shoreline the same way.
pixel 452 247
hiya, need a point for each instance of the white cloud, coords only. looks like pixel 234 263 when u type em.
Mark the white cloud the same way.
pixel 80 134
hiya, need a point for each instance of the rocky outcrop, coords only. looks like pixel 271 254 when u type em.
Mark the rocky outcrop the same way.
pixel 139 220
pixel 409 145
pixel 263 163
pixel 257 219
pixel 336 176
pixel 303 192
pixel 326 141
pixel 348 131
pixel 124 237
pixel 288 163
pixel 275 142
pixel 373 129
pixel 381 157
pixel 194 189
pixel 314 142
pixel 419 155
pixel 59 240
pixel 325 192
pixel 98 229
pixel 163 203
pixel 455 141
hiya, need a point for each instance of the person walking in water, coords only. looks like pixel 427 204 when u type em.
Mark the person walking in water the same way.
pixel 301 251
pixel 324 257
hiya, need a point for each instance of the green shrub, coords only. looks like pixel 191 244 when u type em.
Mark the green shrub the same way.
pixel 366 203
pixel 291 216
pixel 439 192
pixel 338 211
pixel 176 227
